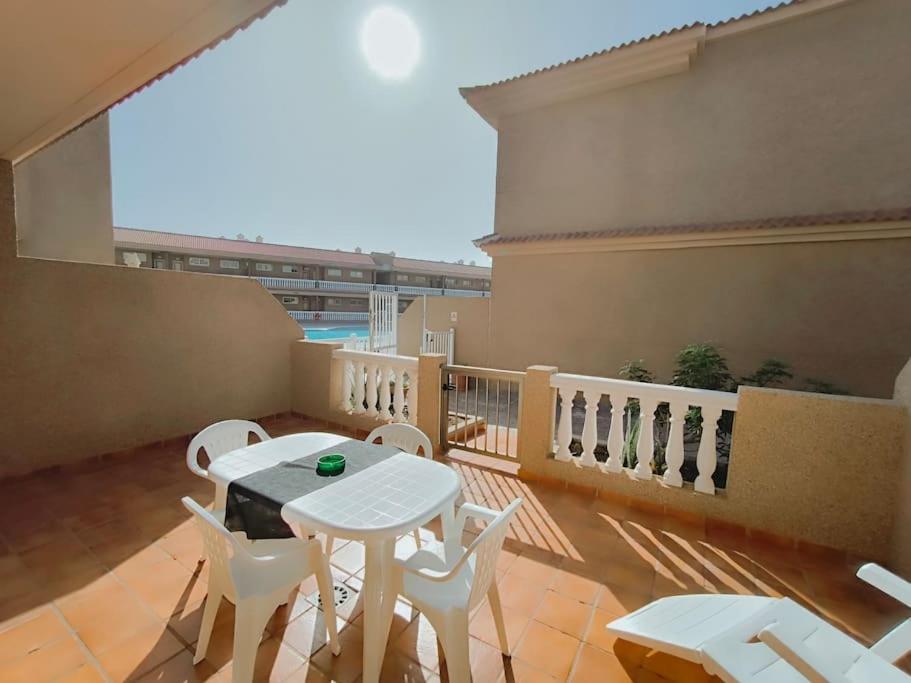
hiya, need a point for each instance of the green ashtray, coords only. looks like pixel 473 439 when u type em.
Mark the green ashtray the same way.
pixel 331 464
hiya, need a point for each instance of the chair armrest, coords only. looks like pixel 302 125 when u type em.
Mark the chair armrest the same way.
pixel 426 573
pixel 810 664
pixel 471 510
pixel 886 581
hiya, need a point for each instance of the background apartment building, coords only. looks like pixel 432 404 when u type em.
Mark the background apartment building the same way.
pixel 312 284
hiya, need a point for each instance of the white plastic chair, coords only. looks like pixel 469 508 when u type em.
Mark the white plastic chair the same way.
pixel 218 439
pixel 719 631
pixel 446 587
pixel 257 578
pixel 404 437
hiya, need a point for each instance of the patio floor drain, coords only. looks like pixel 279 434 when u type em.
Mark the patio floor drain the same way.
pixel 342 595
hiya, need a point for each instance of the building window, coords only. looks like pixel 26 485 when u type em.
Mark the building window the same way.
pixel 486 284
pixel 198 261
pixel 176 265
pixel 401 277
pixel 332 302
pixel 356 273
pixel 333 272
pixel 286 268
pixel 130 255
pixel 289 299
pixel 160 263
pixel 466 283
pixel 264 267
pixel 420 278
pixel 228 263
pixel 355 302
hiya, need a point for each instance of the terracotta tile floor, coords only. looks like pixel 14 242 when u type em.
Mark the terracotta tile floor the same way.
pixel 99 581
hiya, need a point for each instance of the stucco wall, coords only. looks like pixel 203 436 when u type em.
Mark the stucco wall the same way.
pixel 63 198
pixel 803 117
pixel 834 311
pixel 901 535
pixel 99 358
pixel 471 326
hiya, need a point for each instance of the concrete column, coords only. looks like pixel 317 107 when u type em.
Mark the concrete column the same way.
pixel 536 425
pixel 429 387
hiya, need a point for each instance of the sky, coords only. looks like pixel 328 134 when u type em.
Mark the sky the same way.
pixel 285 131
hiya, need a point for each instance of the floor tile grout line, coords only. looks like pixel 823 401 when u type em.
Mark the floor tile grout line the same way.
pixel 87 653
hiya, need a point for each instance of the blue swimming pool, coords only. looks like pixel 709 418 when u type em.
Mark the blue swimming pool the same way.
pixel 336 332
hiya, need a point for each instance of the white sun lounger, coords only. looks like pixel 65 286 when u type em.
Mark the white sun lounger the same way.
pixel 767 640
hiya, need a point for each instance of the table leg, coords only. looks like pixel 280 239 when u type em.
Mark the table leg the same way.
pixel 451 536
pixel 379 605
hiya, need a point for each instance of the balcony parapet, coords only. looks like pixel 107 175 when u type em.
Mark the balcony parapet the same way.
pixel 303 285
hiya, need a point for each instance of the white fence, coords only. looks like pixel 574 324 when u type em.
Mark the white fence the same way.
pixel 301 284
pixel 678 400
pixel 383 325
pixel 378 385
pixel 439 342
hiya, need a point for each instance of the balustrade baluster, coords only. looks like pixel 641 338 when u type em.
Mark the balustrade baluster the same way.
pixel 565 428
pixel 347 381
pixel 385 392
pixel 359 395
pixel 674 453
pixel 399 400
pixel 645 449
pixel 615 437
pixel 707 457
pixel 590 429
pixel 371 397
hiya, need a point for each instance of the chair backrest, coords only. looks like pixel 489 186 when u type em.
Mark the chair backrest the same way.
pixel 486 549
pixel 220 438
pixel 403 436
pixel 219 544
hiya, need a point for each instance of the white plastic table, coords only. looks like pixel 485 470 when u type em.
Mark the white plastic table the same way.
pixel 374 506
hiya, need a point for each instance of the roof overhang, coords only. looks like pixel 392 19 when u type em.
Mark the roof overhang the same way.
pixel 64 63
pixel 666 54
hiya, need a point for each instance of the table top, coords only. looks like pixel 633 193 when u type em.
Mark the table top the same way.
pixel 388 499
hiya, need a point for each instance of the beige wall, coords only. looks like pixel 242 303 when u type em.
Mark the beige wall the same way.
pixel 901 535
pixel 98 358
pixel 819 469
pixel 834 311
pixel 471 336
pixel 802 117
pixel 63 198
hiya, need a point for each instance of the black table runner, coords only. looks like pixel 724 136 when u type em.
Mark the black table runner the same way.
pixel 254 502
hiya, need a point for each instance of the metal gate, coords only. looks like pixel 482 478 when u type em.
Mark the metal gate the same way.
pixel 383 323
pixel 481 409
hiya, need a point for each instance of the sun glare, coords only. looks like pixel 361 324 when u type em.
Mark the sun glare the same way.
pixel 390 42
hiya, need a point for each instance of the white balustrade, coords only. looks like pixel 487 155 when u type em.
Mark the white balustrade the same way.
pixel 678 400
pixel 280 284
pixel 373 384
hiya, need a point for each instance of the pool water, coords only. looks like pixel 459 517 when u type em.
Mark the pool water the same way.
pixel 336 332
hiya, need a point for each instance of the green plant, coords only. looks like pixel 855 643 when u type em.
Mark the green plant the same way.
pixel 635 371
pixel 770 373
pixel 701 366
pixel 819 386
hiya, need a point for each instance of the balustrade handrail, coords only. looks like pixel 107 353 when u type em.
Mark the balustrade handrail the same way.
pixel 371 357
pixel 662 393
pixel 302 284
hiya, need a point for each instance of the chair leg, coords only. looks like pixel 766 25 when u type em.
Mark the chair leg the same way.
pixel 213 601
pixel 250 620
pixel 330 541
pixel 327 595
pixel 417 538
pixel 493 595
pixel 455 647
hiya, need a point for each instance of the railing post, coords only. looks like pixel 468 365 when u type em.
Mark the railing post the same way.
pixel 707 456
pixel 590 428
pixel 615 436
pixel 536 422
pixel 429 386
pixel 645 449
pixel 674 454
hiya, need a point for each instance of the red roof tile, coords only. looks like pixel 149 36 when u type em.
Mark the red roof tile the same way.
pixel 841 218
